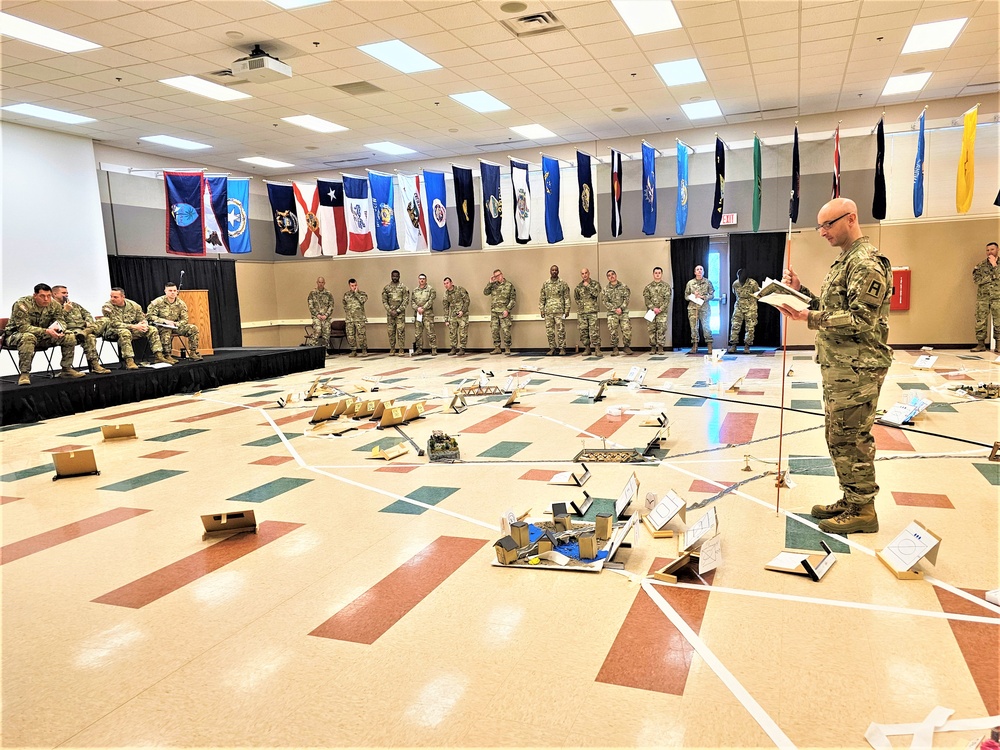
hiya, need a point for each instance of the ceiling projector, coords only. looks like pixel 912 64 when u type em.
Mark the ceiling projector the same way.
pixel 260 67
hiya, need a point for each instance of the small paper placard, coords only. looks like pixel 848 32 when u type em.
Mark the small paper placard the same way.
pixel 697 300
pixel 665 509
pixel 650 316
pixel 910 546
pixel 925 362
pixel 695 536
pixel 628 493
pixel 710 554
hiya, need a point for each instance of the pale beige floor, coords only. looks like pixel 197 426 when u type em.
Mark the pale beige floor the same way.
pixel 492 657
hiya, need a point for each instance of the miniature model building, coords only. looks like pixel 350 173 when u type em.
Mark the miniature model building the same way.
pixel 441 447
pixel 579 544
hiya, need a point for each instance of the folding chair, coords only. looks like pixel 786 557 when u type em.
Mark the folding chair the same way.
pixel 46 353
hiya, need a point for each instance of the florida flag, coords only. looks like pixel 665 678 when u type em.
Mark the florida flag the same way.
pixel 331 217
pixel 358 210
pixel 307 212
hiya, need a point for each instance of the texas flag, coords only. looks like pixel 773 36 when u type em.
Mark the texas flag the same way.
pixel 358 209
pixel 306 211
pixel 331 217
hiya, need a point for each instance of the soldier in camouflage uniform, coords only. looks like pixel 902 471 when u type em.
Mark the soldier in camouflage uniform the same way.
pixel 456 313
pixel 587 294
pixel 553 306
pixel 745 312
pixel 395 297
pixel 657 296
pixel 124 320
pixel 851 315
pixel 987 278
pixel 172 309
pixel 355 318
pixel 616 296
pixel 37 322
pixel 703 289
pixel 81 325
pixel 503 297
pixel 320 303
pixel 422 301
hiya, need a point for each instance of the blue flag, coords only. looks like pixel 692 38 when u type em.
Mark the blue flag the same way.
pixel 286 223
pixel 385 217
pixel 550 179
pixel 492 205
pixel 681 216
pixel 185 217
pixel 437 208
pixel 216 207
pixel 918 173
pixel 720 183
pixel 648 189
pixel 465 204
pixel 238 214
pixel 585 181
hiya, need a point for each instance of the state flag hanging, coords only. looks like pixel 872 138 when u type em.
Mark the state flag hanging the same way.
pixel 551 184
pixel 286 223
pixel 648 189
pixel 489 174
pixel 585 182
pixel 185 193
pixel 966 182
pixel 918 172
pixel 414 225
pixel 757 192
pixel 238 214
pixel 307 214
pixel 878 199
pixel 465 204
pixel 215 209
pixel 357 211
pixel 383 211
pixel 718 206
pixel 437 204
pixel 332 227
pixel 681 214
pixel 835 192
pixel 616 193
pixel 793 203
pixel 522 201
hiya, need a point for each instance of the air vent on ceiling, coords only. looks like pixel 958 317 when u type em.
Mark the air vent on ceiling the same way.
pixel 344 162
pixel 979 85
pixel 501 144
pixel 359 88
pixel 224 73
pixel 533 25
pixel 743 117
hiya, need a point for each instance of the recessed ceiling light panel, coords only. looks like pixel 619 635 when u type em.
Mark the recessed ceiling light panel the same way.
pixel 33 110
pixel 480 101
pixel 169 140
pixel 534 132
pixel 263 161
pixel 937 35
pixel 43 36
pixel 905 84
pixel 388 147
pixel 647 16
pixel 680 72
pixel 195 85
pixel 400 56
pixel 314 123
pixel 702 110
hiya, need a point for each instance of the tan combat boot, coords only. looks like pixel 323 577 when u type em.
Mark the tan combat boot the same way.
pixel 434 352
pixel 598 352
pixel 496 350
pixel 980 347
pixel 614 351
pixel 628 350
pixel 130 364
pixel 562 351
pixel 694 349
pixel 506 350
pixel 195 357
pixel 746 348
pixel 24 379
pixel 731 349
pixel 586 352
pixel 551 351
pixel 831 510
pixel 364 353
pixel 710 350
pixel 69 372
pixel 160 359
pixel 353 353
pixel 857 519
pixel 97 367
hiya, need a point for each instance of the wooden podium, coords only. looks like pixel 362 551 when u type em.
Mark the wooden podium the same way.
pixel 198 314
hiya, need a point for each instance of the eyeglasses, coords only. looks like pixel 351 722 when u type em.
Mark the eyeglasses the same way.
pixel 829 224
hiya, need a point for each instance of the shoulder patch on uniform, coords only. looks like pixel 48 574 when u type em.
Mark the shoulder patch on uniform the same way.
pixel 873 289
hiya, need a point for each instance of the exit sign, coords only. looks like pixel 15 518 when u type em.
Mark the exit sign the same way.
pixel 728 219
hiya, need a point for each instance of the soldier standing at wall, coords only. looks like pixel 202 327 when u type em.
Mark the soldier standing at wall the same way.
pixel 553 306
pixel 616 297
pixel 81 324
pixel 320 304
pixel 699 288
pixel 587 293
pixel 657 296
pixel 456 313
pixel 745 311
pixel 987 278
pixel 503 297
pixel 395 297
pixel 170 313
pixel 37 322
pixel 422 302
pixel 355 319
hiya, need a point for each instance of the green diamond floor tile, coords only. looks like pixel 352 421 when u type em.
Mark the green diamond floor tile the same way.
pixel 34 471
pixel 689 401
pixel 259 394
pixel 383 443
pixel 428 495
pixel 991 472
pixel 143 480
pixel 941 406
pixel 504 449
pixel 81 433
pixel 913 386
pixel 816 466
pixel 175 435
pixel 806 404
pixel 266 442
pixel 269 490
pixel 800 536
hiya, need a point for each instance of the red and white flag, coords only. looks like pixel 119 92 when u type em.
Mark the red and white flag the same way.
pixel 332 228
pixel 836 164
pixel 307 210
pixel 358 213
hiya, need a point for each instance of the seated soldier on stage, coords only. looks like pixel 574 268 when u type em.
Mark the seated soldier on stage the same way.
pixel 124 320
pixel 37 322
pixel 80 324
pixel 169 314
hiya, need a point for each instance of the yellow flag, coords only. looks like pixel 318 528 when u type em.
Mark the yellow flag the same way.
pixel 966 164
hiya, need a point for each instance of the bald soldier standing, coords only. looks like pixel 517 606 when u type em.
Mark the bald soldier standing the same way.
pixel 657 296
pixel 553 306
pixel 616 297
pixel 587 293
pixel 395 297
pixel 456 313
pixel 422 301
pixel 503 297
pixel 320 303
pixel 851 316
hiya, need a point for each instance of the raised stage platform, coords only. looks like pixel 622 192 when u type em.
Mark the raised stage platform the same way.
pixel 49 397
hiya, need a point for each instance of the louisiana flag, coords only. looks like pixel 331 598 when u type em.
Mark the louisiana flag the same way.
pixel 878 199
pixel 357 210
pixel 718 206
pixel 437 204
pixel 382 210
pixel 681 215
pixel 585 182
pixel 238 214
pixel 332 228
pixel 465 204
pixel 286 223
pixel 550 181
pixel 307 214
pixel 966 172
pixel 616 193
pixel 522 201
pixel 216 222
pixel 648 189
pixel 918 172
pixel 793 204
pixel 185 193
pixel 492 205
pixel 756 183
pixel 414 223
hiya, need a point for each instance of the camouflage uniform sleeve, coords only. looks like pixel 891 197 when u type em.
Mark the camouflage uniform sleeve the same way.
pixel 647 297
pixel 385 298
pixel 711 290
pixel 465 301
pixel 488 291
pixel 88 319
pixel 541 299
pixel 311 303
pixel 605 298
pixel 981 273
pixel 688 290
pixel 184 313
pixel 362 297
pixel 577 294
pixel 564 293
pixel 154 309
pixel 626 298
pixel 513 299
pixel 754 287
pixel 21 322
pixel 868 284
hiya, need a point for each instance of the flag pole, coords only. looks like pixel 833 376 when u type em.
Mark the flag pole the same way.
pixel 784 358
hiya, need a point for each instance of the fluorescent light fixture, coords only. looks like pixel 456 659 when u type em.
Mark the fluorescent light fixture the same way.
pixel 937 35
pixel 905 84
pixel 680 72
pixel 43 36
pixel 201 87
pixel 169 140
pixel 388 147
pixel 480 101
pixel 33 110
pixel 647 16
pixel 533 132
pixel 702 110
pixel 399 55
pixel 293 4
pixel 263 161
pixel 314 123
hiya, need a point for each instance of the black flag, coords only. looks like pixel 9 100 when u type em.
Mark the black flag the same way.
pixel 793 204
pixel 878 200
pixel 720 182
pixel 586 205
pixel 465 204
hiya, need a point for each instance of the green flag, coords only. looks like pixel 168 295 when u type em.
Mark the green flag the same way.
pixel 756 183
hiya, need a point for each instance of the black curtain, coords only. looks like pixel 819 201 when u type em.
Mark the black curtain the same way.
pixel 761 254
pixel 685 254
pixel 143 280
